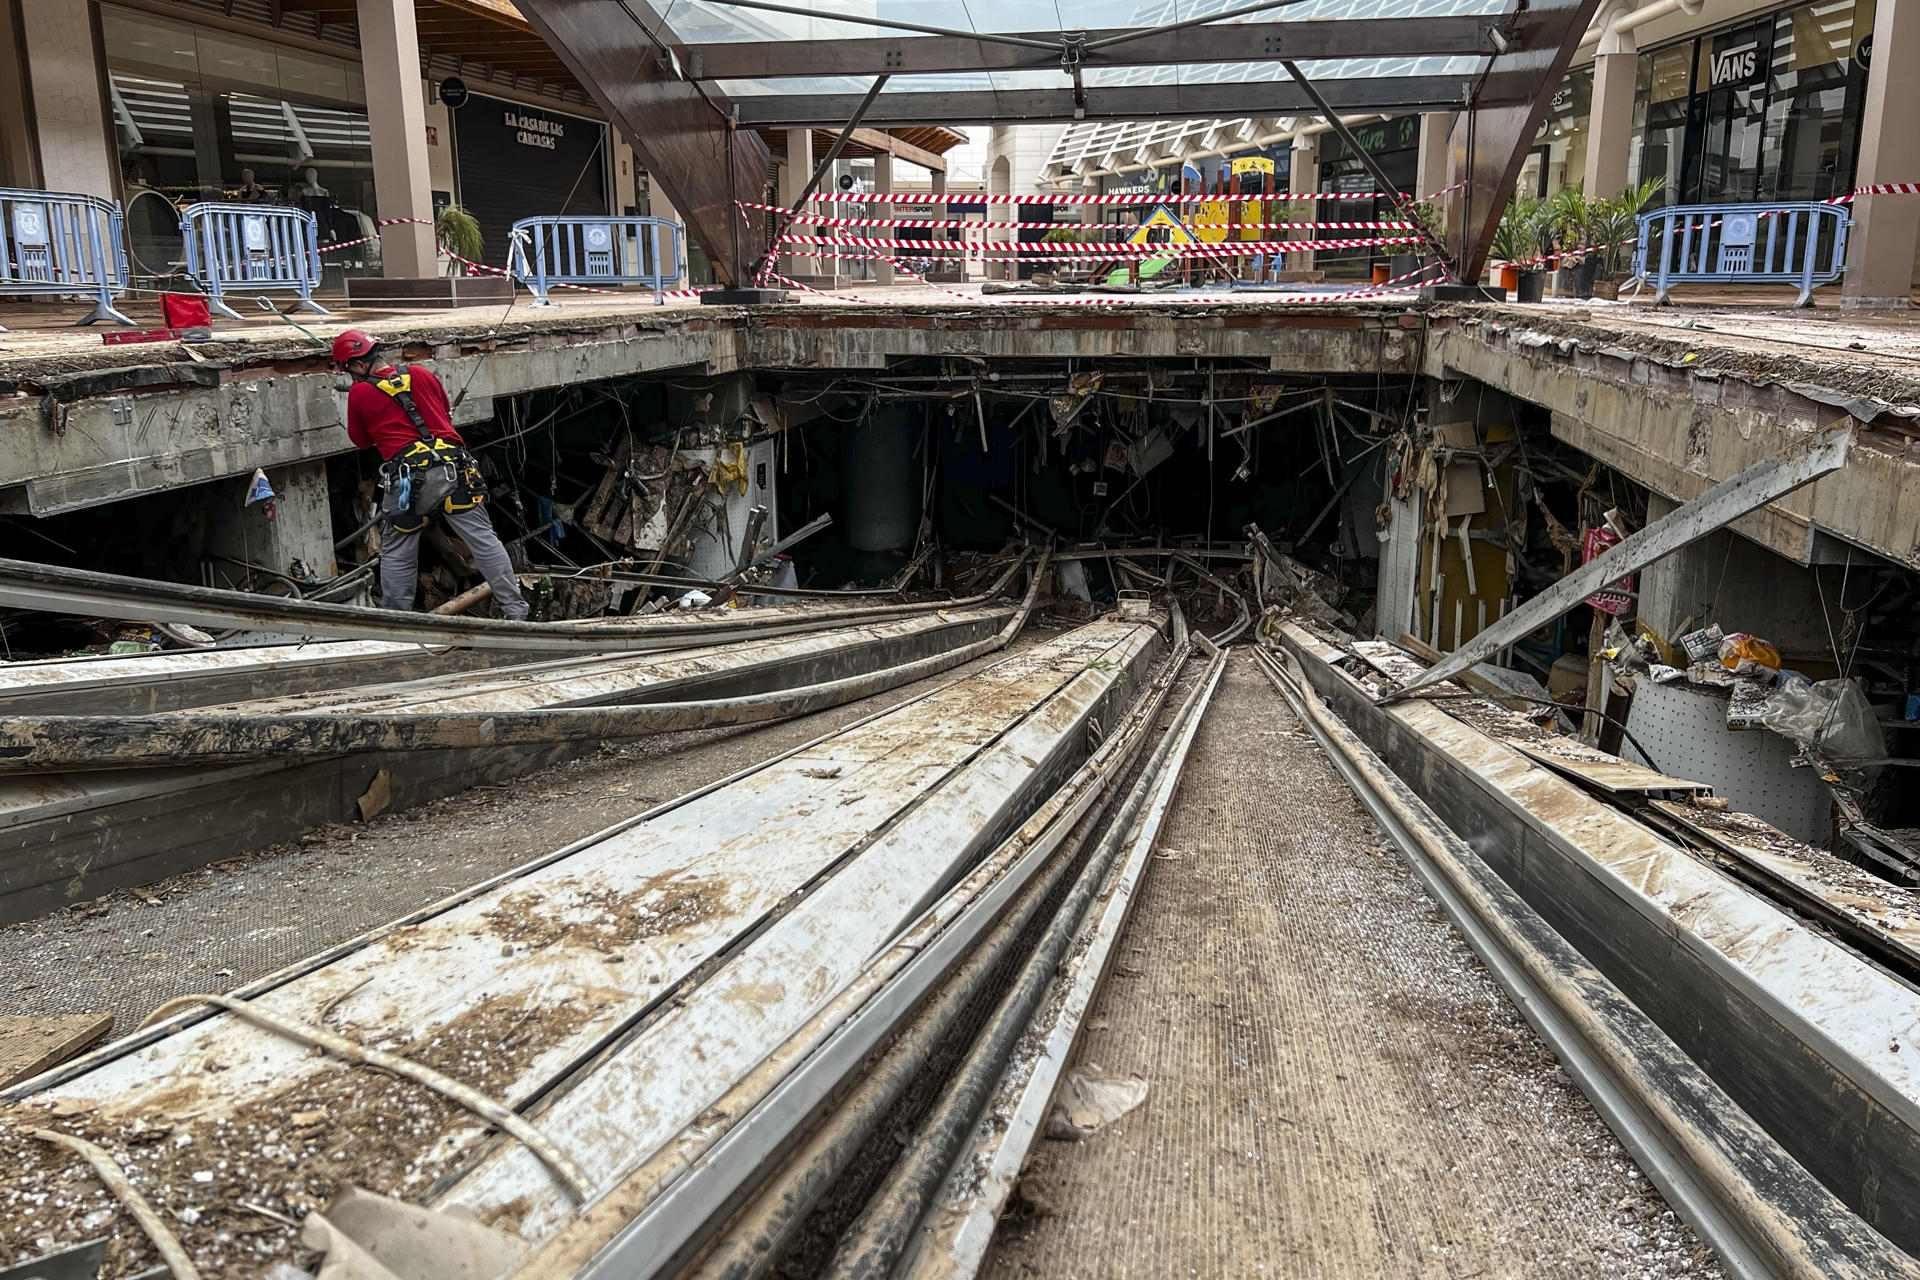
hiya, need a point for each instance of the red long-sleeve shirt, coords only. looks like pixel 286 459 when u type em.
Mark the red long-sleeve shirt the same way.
pixel 375 419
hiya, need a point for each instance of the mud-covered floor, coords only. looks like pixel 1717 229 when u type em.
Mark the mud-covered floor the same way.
pixel 219 928
pixel 1336 1086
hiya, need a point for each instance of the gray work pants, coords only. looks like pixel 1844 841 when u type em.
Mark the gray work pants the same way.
pixel 400 562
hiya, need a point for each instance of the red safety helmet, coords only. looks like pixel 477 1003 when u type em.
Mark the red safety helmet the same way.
pixel 354 344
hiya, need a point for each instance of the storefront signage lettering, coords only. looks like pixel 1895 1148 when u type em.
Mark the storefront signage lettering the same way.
pixel 1399 134
pixel 1735 65
pixel 534 131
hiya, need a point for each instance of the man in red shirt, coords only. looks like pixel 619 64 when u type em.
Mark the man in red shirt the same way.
pixel 396 410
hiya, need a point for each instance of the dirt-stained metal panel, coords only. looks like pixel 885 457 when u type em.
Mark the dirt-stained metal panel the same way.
pixel 513 989
pixel 1888 911
pixel 1845 1025
pixel 1557 751
pixel 661 1081
pixel 963 1218
pixel 181 678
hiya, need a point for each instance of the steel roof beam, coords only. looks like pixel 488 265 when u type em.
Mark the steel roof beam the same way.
pixel 621 53
pixel 1117 102
pixel 1489 144
pixel 1228 42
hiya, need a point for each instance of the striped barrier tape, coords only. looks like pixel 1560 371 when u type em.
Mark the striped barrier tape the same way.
pixel 955 224
pixel 1041 253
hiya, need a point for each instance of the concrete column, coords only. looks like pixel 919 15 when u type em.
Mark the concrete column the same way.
pixel 1430 173
pixel 70 118
pixel 1880 250
pixel 1303 174
pixel 301 528
pixel 793 179
pixel 441 170
pixel 1610 121
pixel 19 158
pixel 883 182
pixel 397 117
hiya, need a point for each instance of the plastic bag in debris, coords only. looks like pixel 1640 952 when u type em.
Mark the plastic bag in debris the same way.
pixel 1746 655
pixel 1622 651
pixel 1073 580
pixel 1090 1099
pixel 694 600
pixel 1831 717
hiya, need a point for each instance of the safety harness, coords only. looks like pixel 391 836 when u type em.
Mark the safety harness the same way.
pixel 428 476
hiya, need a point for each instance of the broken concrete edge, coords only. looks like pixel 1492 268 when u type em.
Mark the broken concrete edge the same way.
pixel 72 374
pixel 1865 393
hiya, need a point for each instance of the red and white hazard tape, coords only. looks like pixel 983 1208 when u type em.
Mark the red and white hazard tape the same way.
pixel 1878 189
pixel 974 197
pixel 1007 251
pixel 378 222
pixel 956 224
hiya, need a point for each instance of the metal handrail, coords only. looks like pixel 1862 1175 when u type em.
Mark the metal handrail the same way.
pixel 254 247
pixel 61 242
pixel 1803 244
pixel 596 252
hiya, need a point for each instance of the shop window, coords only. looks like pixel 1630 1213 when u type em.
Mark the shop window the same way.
pixel 1561 143
pixel 1664 85
pixel 1769 110
pixel 205 115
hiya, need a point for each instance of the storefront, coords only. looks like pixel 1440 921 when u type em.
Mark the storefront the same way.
pixel 516 161
pixel 1767 110
pixel 203 114
pixel 1559 155
pixel 1395 146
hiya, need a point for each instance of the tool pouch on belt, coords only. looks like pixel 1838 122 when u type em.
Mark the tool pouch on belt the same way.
pixel 430 475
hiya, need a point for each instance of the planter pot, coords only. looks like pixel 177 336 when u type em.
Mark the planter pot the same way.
pixel 1565 282
pixel 1588 273
pixel 1607 289
pixel 1380 275
pixel 1510 278
pixel 1532 286
pixel 1402 265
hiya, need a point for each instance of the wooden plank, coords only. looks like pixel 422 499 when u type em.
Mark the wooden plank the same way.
pixel 30 1045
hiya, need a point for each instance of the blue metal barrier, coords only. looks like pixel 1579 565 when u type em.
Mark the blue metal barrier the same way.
pixel 1799 244
pixel 54 242
pixel 252 246
pixel 596 251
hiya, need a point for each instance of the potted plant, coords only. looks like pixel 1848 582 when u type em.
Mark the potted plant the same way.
pixel 1608 235
pixel 457 231
pixel 1427 214
pixel 1511 238
pixel 1537 243
pixel 1567 212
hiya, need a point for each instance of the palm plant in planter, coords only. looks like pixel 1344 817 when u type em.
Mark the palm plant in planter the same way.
pixel 1611 225
pixel 1522 239
pixel 457 231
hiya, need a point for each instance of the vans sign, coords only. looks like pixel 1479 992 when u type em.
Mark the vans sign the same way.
pixel 1735 65
pixel 1736 60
